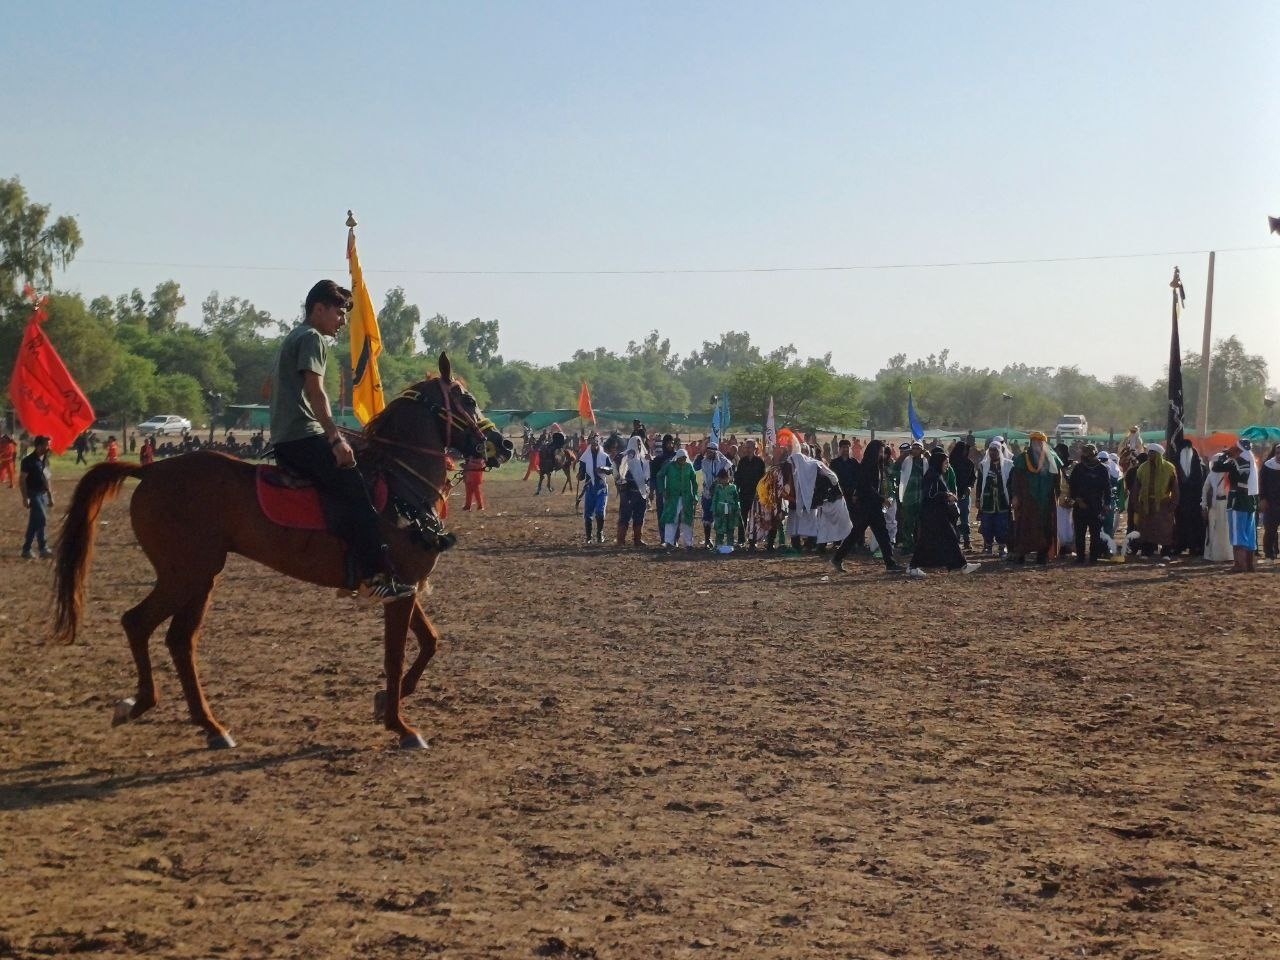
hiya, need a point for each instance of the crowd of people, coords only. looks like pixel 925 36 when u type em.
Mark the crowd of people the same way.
pixel 906 505
pixel 932 506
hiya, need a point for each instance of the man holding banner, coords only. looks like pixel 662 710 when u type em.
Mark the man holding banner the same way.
pixel 307 441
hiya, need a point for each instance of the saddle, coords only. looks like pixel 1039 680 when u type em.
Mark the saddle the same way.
pixel 289 500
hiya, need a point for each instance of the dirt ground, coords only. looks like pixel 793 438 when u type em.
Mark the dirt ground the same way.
pixel 635 756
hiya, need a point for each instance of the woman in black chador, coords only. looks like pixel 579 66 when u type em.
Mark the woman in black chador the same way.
pixel 937 540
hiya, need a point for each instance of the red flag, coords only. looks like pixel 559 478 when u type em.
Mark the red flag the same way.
pixel 584 404
pixel 45 397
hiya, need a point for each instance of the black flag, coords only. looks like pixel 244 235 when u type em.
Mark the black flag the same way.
pixel 1173 432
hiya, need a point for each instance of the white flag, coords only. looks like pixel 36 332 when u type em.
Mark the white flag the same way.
pixel 770 428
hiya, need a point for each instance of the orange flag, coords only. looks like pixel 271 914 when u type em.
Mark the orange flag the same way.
pixel 584 404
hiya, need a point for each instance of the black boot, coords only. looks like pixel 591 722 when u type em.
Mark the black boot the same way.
pixel 599 529
pixel 586 524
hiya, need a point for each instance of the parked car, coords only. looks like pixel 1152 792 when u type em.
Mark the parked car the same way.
pixel 164 425
pixel 1072 425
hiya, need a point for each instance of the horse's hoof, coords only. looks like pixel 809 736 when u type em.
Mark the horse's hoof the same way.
pixel 123 712
pixel 379 706
pixel 220 741
pixel 412 741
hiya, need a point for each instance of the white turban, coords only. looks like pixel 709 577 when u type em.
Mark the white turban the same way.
pixel 1154 448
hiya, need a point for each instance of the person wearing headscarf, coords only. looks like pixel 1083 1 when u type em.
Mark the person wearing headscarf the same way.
pixel 1188 526
pixel 633 489
pixel 1132 442
pixel 1242 502
pixel 1065 512
pixel 679 494
pixel 1269 502
pixel 1155 486
pixel 911 469
pixel 594 470
pixel 1035 483
pixel 747 476
pixel 1090 489
pixel 866 509
pixel 993 498
pixel 965 475
pixel 937 542
pixel 1213 499
pixel 710 463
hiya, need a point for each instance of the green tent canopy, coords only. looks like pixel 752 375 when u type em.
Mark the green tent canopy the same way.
pixel 991 432
pixel 1260 434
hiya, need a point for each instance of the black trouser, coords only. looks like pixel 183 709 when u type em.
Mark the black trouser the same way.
pixel 864 517
pixel 1083 519
pixel 1270 525
pixel 744 515
pixel 347 506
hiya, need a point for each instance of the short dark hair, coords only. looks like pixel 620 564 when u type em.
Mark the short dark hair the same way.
pixel 328 293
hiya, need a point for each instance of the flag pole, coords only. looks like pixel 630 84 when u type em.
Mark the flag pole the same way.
pixel 1202 414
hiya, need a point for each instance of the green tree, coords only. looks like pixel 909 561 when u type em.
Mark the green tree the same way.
pixel 807 395
pixel 236 319
pixel 30 245
pixel 162 309
pixel 398 322
pixel 476 340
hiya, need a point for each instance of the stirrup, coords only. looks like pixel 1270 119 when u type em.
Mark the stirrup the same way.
pixel 385 589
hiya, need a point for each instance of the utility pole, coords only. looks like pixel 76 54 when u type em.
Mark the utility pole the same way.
pixel 1202 413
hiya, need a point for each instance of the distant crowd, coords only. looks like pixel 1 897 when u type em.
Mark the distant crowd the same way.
pixel 926 502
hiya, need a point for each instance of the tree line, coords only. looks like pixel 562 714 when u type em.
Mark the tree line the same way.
pixel 133 357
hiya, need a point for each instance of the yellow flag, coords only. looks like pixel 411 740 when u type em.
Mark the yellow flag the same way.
pixel 366 342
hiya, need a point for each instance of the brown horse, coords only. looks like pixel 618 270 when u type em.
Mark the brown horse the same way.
pixel 190 511
pixel 551 462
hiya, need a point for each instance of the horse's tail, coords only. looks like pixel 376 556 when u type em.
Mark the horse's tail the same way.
pixel 75 544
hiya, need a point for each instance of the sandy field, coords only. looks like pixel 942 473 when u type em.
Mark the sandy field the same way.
pixel 638 756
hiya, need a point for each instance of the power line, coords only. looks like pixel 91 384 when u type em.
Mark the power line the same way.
pixel 674 271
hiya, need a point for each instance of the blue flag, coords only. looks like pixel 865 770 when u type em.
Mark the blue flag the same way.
pixel 917 428
pixel 724 402
pixel 715 425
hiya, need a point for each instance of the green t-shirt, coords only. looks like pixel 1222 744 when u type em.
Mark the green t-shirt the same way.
pixel 291 415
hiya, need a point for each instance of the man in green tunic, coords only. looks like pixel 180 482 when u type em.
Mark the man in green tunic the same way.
pixel 678 484
pixel 1034 486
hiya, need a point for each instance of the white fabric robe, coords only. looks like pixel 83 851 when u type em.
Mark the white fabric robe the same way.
pixel 830 523
pixel 637 468
pixel 1217 541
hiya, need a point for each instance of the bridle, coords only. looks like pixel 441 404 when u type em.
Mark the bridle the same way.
pixel 451 415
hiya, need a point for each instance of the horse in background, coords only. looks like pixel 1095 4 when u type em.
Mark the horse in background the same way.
pixel 552 460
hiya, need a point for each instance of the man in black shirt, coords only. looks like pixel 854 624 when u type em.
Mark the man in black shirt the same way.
pixel 747 476
pixel 846 470
pixel 1090 488
pixel 37 496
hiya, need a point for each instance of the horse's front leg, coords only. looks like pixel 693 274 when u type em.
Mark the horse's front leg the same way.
pixel 428 640
pixel 396 617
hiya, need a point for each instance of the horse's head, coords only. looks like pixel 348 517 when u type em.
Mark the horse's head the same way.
pixel 458 418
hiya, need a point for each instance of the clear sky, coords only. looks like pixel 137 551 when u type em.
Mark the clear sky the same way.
pixel 607 136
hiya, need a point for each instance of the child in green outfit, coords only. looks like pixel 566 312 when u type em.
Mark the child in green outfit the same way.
pixel 725 508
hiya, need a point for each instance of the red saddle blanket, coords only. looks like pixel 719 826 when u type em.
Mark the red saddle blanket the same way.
pixel 299 507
